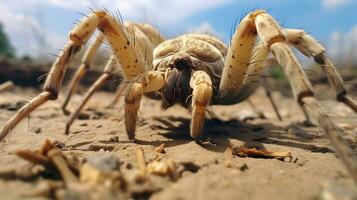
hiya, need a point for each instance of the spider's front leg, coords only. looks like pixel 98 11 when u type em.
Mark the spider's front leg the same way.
pixel 122 44
pixel 147 82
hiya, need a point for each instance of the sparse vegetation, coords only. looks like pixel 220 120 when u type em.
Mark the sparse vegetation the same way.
pixel 6 49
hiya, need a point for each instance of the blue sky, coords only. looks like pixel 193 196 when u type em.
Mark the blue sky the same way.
pixel 37 26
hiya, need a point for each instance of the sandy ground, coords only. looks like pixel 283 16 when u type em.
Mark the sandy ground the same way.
pixel 313 168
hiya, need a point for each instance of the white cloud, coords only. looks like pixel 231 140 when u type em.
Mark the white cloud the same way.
pixel 330 4
pixel 25 29
pixel 343 46
pixel 25 32
pixel 156 11
pixel 206 28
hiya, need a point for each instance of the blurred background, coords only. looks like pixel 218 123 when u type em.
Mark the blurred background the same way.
pixel 32 31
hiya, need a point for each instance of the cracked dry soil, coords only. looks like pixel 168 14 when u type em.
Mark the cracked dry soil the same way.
pixel 313 167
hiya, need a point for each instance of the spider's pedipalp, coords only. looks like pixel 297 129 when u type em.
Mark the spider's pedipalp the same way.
pixel 201 97
pixel 147 82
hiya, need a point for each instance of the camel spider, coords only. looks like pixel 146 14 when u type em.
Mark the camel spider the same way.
pixel 195 70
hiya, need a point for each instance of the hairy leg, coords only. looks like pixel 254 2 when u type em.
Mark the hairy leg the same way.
pixel 272 36
pixel 123 46
pixel 307 45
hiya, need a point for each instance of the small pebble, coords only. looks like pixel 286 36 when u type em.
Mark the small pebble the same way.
pixel 244 167
pixel 37 130
pixel 114 139
pixel 83 124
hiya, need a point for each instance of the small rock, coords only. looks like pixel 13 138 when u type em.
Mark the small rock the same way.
pixel 37 130
pixel 129 166
pixel 99 147
pixel 59 144
pixel 16 106
pixel 337 191
pixel 160 149
pixel 244 167
pixel 104 162
pixel 114 139
pixel 83 115
pixel 83 124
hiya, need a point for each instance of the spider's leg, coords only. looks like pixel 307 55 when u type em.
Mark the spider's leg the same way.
pixel 147 38
pixel 271 99
pixel 255 109
pixel 307 45
pixel 201 97
pixel 272 36
pixel 237 60
pixel 122 44
pixel 78 36
pixel 107 74
pixel 147 82
pixel 118 94
pixel 82 70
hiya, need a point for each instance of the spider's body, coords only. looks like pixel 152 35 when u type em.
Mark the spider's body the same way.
pixel 178 58
pixel 194 70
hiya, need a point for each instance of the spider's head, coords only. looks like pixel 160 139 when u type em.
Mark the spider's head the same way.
pixel 177 88
pixel 178 58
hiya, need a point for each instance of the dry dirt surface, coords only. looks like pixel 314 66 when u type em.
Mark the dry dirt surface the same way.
pixel 313 172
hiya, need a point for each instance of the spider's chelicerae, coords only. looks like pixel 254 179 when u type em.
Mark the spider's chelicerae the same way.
pixel 194 70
